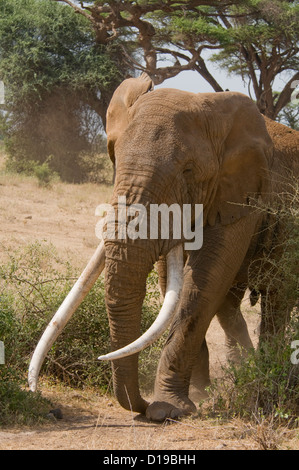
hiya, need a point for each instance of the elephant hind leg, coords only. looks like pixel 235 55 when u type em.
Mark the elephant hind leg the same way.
pixel 237 342
pixel 200 378
pixel 237 338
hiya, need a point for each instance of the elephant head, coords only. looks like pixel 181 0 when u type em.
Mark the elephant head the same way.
pixel 173 147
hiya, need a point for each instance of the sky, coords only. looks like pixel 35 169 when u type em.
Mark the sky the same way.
pixel 192 81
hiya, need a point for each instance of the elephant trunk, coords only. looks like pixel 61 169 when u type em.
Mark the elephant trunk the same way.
pixel 126 270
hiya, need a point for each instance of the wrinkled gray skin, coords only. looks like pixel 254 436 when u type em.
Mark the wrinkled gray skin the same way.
pixel 170 147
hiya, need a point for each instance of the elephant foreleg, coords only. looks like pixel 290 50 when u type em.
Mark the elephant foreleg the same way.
pixel 209 274
pixel 161 267
pixel 200 378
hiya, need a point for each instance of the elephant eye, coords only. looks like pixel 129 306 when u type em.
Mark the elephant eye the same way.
pixel 188 174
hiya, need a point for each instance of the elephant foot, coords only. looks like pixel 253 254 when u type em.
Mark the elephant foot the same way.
pixel 161 410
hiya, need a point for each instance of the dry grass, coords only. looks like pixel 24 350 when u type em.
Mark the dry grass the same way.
pixel 62 214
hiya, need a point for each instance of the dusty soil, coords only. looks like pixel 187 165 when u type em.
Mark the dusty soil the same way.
pixel 64 215
pixel 98 423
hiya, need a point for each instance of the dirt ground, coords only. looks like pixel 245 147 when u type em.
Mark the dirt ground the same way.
pixel 98 423
pixel 63 214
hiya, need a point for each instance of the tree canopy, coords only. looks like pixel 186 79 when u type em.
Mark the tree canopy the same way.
pixel 256 39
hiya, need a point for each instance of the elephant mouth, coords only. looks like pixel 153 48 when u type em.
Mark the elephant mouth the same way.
pixel 79 291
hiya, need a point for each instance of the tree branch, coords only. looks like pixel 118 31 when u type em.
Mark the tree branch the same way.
pixel 201 68
pixel 285 95
pixel 77 9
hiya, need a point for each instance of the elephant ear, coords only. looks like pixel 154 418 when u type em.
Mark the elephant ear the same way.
pixel 122 100
pixel 244 171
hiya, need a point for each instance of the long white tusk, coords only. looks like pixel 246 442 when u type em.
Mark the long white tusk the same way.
pixel 175 265
pixel 72 301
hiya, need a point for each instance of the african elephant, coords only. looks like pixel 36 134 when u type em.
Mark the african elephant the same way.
pixel 173 147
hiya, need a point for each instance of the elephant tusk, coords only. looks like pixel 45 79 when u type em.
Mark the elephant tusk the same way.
pixel 175 265
pixel 78 292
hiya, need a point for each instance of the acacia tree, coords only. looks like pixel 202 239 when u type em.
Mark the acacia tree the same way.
pixel 257 39
pixel 262 46
pixel 148 33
